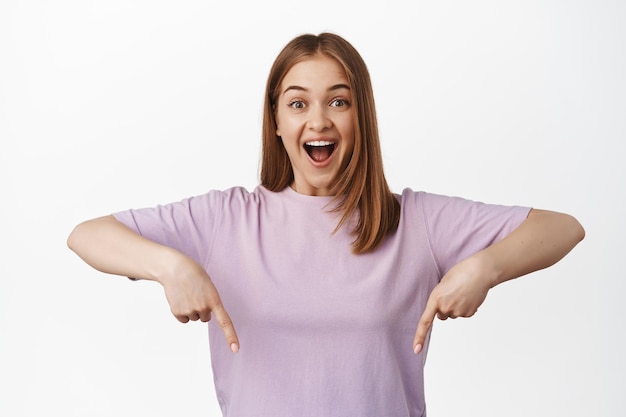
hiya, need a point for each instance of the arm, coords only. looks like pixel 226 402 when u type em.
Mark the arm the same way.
pixel 109 246
pixel 539 242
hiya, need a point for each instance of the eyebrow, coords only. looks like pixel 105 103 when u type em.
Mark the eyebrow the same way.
pixel 332 88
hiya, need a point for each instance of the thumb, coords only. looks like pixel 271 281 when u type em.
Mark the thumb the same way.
pixel 424 325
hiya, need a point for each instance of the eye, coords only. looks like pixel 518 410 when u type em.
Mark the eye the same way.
pixel 297 104
pixel 339 102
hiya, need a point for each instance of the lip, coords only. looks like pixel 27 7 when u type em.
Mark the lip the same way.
pixel 325 163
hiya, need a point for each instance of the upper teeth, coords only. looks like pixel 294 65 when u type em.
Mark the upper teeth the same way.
pixel 319 143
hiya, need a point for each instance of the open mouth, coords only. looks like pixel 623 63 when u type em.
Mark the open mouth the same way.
pixel 319 150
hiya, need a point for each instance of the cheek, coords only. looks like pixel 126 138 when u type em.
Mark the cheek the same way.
pixel 347 130
pixel 288 137
pixel 288 128
pixel 281 128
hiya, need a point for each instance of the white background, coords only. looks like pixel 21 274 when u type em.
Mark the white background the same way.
pixel 117 104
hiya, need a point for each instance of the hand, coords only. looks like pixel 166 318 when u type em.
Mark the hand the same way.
pixel 192 296
pixel 459 294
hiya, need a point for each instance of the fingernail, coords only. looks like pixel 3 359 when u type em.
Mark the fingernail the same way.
pixel 234 347
pixel 417 349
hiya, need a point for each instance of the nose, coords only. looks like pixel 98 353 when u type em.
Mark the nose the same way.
pixel 319 119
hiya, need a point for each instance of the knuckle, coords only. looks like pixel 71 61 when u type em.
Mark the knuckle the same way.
pixel 446 306
pixel 425 322
pixel 216 305
pixel 225 322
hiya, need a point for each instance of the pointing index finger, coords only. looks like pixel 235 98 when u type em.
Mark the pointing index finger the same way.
pixel 424 325
pixel 226 324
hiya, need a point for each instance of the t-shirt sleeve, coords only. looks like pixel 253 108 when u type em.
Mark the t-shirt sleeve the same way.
pixel 458 228
pixel 187 225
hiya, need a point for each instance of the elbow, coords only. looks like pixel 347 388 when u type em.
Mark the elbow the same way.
pixel 74 238
pixel 572 230
pixel 564 227
pixel 577 230
pixel 79 237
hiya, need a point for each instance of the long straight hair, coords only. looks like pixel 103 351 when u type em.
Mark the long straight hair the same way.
pixel 361 188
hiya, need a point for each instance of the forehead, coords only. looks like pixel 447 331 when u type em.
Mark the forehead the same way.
pixel 316 71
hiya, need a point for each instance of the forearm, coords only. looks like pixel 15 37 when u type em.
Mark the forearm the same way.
pixel 109 246
pixel 539 242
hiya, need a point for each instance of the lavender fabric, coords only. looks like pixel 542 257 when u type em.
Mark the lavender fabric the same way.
pixel 323 332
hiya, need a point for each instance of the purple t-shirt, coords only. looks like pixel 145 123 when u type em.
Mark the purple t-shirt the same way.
pixel 323 332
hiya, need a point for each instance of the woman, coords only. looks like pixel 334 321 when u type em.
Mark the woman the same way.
pixel 325 273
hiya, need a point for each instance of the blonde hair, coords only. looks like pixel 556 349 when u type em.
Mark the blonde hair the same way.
pixel 361 188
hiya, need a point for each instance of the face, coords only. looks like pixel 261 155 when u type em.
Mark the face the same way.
pixel 315 119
